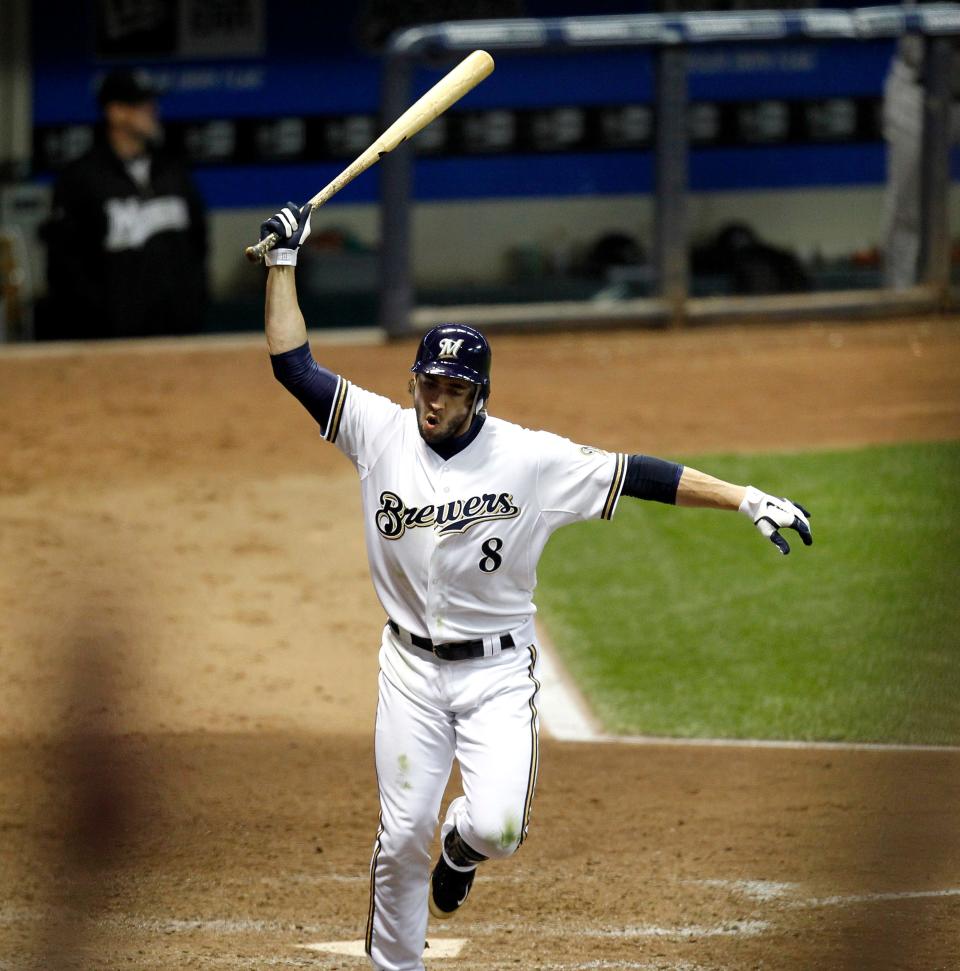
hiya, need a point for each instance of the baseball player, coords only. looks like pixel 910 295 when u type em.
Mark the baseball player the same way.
pixel 457 508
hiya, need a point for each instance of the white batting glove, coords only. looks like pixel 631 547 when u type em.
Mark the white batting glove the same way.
pixel 768 513
pixel 292 225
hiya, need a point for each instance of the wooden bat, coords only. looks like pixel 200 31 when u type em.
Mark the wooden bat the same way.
pixel 449 89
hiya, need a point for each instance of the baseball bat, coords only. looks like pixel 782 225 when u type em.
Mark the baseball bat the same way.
pixel 449 89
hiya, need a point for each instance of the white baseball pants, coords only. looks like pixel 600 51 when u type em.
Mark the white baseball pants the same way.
pixel 483 712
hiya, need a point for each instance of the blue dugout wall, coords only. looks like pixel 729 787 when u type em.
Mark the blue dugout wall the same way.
pixel 303 62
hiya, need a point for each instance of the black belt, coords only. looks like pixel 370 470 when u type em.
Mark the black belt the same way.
pixel 455 651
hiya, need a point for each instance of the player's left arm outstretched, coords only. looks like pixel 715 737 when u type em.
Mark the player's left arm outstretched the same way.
pixel 768 513
pixel 652 478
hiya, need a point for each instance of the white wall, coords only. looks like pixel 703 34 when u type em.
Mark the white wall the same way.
pixel 457 242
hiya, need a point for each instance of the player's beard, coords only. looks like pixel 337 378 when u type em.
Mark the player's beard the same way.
pixel 436 429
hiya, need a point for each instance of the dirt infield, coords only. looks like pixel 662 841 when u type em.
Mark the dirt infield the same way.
pixel 188 654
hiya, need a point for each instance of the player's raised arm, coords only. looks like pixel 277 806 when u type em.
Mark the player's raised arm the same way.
pixel 316 388
pixel 285 326
pixel 653 478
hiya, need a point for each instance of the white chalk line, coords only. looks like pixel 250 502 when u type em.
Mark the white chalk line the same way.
pixel 316 879
pixel 565 716
pixel 437 947
pixel 627 966
pixel 214 925
pixel 760 890
pixel 443 948
pixel 307 961
pixel 772 743
pixel 784 894
pixel 846 900
pixel 734 928
pixel 564 713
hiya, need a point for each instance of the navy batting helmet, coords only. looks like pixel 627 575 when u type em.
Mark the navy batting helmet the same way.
pixel 456 351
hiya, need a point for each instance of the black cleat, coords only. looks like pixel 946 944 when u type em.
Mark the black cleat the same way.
pixel 449 889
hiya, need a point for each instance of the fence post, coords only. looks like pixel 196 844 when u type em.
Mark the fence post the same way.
pixel 935 166
pixel 395 298
pixel 670 230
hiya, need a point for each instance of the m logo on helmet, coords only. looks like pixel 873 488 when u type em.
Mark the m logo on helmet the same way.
pixel 449 349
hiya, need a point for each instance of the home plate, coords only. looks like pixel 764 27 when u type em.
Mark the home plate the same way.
pixel 446 947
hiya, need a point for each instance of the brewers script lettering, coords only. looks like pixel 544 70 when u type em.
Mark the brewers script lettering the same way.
pixel 394 518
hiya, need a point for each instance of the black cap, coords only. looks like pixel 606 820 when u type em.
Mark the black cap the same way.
pixel 128 87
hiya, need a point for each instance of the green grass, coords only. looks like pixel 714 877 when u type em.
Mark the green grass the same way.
pixel 686 622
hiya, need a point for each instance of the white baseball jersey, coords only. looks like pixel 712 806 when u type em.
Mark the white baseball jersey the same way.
pixel 453 544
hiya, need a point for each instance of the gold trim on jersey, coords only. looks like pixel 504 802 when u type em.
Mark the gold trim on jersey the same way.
pixel 534 746
pixel 336 412
pixel 368 940
pixel 613 496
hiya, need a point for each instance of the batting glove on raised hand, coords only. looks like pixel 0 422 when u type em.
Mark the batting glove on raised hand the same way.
pixel 292 225
pixel 768 514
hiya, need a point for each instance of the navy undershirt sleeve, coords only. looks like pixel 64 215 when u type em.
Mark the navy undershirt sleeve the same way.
pixel 652 478
pixel 313 386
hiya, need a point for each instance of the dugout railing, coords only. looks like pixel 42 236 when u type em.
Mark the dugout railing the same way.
pixel 670 37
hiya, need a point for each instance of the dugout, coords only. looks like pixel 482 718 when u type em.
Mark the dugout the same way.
pixel 671 39
pixel 498 222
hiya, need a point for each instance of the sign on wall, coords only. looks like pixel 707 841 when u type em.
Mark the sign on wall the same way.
pixel 183 29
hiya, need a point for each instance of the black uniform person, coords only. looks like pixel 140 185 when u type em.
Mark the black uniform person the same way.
pixel 127 236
